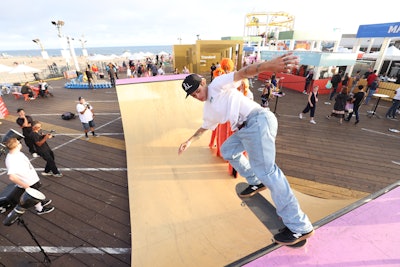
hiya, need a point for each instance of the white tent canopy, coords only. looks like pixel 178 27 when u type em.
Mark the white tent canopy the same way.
pixel 21 68
pixel 392 53
pixel 4 68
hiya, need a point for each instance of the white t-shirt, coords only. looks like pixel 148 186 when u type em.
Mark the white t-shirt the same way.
pixel 87 116
pixel 18 164
pixel 397 95
pixel 225 103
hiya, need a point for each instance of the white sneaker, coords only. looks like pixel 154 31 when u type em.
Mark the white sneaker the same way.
pixel 301 116
pixel 313 122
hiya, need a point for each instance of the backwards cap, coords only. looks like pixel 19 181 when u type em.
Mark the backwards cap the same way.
pixel 191 83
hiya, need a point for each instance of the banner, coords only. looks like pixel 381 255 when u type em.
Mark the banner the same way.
pixel 3 109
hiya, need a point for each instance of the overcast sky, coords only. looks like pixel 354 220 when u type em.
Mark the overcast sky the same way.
pixel 155 22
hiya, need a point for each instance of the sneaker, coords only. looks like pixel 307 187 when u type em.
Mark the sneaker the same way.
pixel 313 122
pixel 35 155
pixel 301 116
pixel 47 173
pixel 46 202
pixel 32 98
pixel 87 138
pixel 287 237
pixel 328 117
pixel 58 175
pixel 95 135
pixel 45 210
pixel 251 190
pixel 357 121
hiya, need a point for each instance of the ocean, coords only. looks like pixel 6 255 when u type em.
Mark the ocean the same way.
pixel 91 51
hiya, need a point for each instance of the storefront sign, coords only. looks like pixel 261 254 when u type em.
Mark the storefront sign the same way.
pixel 389 30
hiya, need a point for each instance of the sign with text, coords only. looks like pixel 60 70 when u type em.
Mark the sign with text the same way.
pixel 388 30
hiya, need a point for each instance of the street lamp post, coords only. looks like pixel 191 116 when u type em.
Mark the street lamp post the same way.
pixel 64 53
pixel 59 24
pixel 72 51
pixel 43 52
pixel 83 41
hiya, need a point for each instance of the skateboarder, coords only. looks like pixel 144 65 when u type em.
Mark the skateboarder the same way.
pixel 255 132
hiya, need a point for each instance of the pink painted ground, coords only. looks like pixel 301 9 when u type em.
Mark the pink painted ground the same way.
pixel 367 236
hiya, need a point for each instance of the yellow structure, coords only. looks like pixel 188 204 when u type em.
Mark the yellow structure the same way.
pixel 267 24
pixel 199 57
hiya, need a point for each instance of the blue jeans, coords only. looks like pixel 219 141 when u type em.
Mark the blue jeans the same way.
pixel 392 110
pixel 369 96
pixel 257 137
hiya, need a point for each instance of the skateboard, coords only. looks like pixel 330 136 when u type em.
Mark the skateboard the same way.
pixel 266 213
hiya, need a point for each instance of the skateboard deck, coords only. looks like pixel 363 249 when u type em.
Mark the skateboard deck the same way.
pixel 265 212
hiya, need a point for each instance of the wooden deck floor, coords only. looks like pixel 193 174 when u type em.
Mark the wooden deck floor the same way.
pixel 91 200
pixel 92 205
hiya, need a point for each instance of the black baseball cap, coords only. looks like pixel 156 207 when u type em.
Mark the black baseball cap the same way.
pixel 191 83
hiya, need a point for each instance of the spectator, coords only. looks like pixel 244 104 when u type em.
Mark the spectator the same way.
pixel 86 115
pixel 26 89
pixel 44 150
pixel 21 172
pixel 25 122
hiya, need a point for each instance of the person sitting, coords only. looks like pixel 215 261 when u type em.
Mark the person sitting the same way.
pixel 26 89
pixel 43 86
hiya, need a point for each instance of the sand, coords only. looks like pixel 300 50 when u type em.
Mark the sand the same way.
pixel 42 64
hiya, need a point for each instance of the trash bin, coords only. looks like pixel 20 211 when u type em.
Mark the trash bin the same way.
pixel 36 75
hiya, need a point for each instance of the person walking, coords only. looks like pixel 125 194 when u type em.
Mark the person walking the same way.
pixel 336 79
pixel 89 77
pixel 21 172
pixel 372 89
pixel 255 129
pixel 311 104
pixel 44 150
pixel 356 100
pixel 339 106
pixel 25 122
pixel 391 113
pixel 86 115
pixel 309 78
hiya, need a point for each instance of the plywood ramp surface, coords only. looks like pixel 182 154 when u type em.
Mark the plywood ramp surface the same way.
pixel 184 209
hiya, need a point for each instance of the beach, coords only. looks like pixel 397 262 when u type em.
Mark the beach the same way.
pixel 46 68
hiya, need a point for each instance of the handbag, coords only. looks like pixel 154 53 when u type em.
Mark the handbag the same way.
pixel 349 107
pixel 328 85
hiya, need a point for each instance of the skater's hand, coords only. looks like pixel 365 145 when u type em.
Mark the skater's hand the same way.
pixel 183 147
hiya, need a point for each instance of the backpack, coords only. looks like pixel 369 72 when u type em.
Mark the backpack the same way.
pixel 67 115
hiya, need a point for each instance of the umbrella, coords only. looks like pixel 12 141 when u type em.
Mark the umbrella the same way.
pixel 99 57
pixel 21 68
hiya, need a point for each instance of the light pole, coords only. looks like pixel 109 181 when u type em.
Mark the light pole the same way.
pixel 83 41
pixel 64 52
pixel 72 51
pixel 43 52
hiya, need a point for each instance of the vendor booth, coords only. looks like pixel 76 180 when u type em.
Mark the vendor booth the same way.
pixel 309 58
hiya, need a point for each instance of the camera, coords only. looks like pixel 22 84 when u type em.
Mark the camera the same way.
pixel 52 132
pixel 87 105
